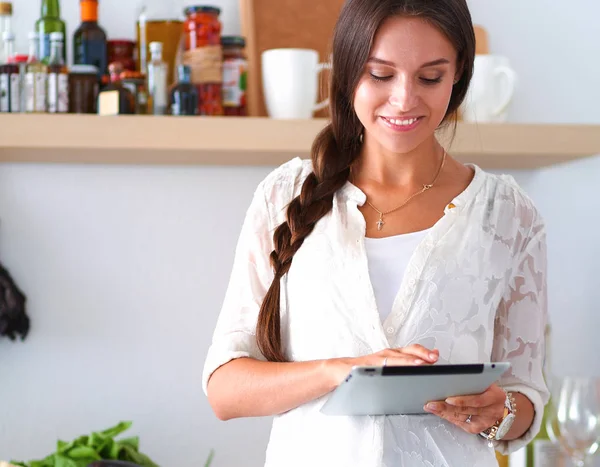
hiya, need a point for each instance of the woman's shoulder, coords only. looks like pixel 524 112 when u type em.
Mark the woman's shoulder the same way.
pixel 285 182
pixel 511 201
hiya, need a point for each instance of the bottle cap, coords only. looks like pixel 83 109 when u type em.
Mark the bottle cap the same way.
pixel 156 46
pixel 5 8
pixel 20 58
pixel 56 36
pixel 33 35
pixel 184 72
pixel 8 36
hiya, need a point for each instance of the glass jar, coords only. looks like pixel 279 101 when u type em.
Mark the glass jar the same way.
pixel 204 55
pixel 83 89
pixel 122 51
pixel 159 21
pixel 235 76
pixel 136 83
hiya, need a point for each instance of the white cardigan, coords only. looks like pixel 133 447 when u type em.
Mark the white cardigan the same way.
pixel 475 288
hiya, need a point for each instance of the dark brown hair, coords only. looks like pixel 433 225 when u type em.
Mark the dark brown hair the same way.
pixel 338 145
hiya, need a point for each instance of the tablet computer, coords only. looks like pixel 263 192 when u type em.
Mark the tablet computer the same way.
pixel 404 390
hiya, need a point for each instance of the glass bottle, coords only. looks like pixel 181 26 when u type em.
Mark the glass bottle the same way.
pixel 115 99
pixel 48 23
pixel 157 80
pixel 5 26
pixel 89 40
pixel 58 77
pixel 541 452
pixel 10 78
pixel 159 21
pixel 184 96
pixel 36 74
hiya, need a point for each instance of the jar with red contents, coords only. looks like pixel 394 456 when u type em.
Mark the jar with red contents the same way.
pixel 235 71
pixel 204 55
pixel 122 51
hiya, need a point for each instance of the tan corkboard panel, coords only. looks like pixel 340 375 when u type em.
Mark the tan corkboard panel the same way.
pixel 271 24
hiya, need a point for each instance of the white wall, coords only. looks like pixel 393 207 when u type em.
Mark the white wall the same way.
pixel 125 267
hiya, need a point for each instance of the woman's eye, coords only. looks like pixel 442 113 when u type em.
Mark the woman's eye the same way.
pixel 430 81
pixel 380 77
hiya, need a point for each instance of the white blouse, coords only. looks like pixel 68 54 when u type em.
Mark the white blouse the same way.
pixel 387 259
pixel 475 289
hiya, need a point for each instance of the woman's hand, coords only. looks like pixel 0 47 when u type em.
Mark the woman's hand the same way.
pixel 412 355
pixel 484 409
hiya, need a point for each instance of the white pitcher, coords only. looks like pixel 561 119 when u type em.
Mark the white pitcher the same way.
pixel 491 91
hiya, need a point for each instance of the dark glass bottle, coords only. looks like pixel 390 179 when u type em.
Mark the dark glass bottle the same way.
pixel 115 99
pixel 184 95
pixel 50 22
pixel 89 40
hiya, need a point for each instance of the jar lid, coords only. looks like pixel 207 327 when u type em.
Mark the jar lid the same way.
pixel 5 8
pixel 121 42
pixel 233 41
pixel 84 70
pixel 202 9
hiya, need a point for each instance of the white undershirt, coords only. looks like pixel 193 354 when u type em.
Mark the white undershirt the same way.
pixel 388 258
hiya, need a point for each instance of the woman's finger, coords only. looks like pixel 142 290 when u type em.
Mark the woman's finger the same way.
pixel 419 351
pixel 404 360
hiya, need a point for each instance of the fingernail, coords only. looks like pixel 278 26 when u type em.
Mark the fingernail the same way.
pixel 450 401
pixel 433 356
pixel 418 361
pixel 432 406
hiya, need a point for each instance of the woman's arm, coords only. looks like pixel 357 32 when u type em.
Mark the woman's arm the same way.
pixel 246 387
pixel 251 388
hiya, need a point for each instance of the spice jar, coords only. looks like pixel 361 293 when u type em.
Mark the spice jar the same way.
pixel 235 76
pixel 83 89
pixel 122 51
pixel 204 55
pixel 136 83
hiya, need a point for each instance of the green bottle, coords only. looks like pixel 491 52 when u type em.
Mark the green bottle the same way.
pixel 50 22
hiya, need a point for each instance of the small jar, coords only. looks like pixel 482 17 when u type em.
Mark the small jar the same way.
pixel 204 55
pixel 122 51
pixel 136 83
pixel 83 89
pixel 235 76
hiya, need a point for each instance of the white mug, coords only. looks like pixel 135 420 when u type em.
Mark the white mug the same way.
pixel 291 82
pixel 491 91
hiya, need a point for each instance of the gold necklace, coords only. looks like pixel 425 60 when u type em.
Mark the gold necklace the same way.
pixel 381 223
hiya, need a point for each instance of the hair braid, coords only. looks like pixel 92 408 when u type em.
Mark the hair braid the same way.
pixel 303 213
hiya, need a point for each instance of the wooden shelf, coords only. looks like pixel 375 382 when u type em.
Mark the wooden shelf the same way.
pixel 90 139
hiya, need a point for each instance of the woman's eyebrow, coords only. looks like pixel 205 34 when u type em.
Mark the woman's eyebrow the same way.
pixel 439 61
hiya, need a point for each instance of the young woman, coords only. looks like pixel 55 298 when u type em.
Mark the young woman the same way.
pixel 384 250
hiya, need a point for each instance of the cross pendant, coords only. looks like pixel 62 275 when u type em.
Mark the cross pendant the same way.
pixel 380 223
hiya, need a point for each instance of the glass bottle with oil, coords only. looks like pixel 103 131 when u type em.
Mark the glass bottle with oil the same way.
pixel 36 74
pixel 58 76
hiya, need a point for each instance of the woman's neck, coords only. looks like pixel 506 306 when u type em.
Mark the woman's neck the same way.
pixel 380 167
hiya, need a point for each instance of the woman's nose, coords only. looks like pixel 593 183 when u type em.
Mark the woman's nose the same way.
pixel 404 95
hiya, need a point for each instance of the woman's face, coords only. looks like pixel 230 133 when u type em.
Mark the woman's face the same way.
pixel 406 86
